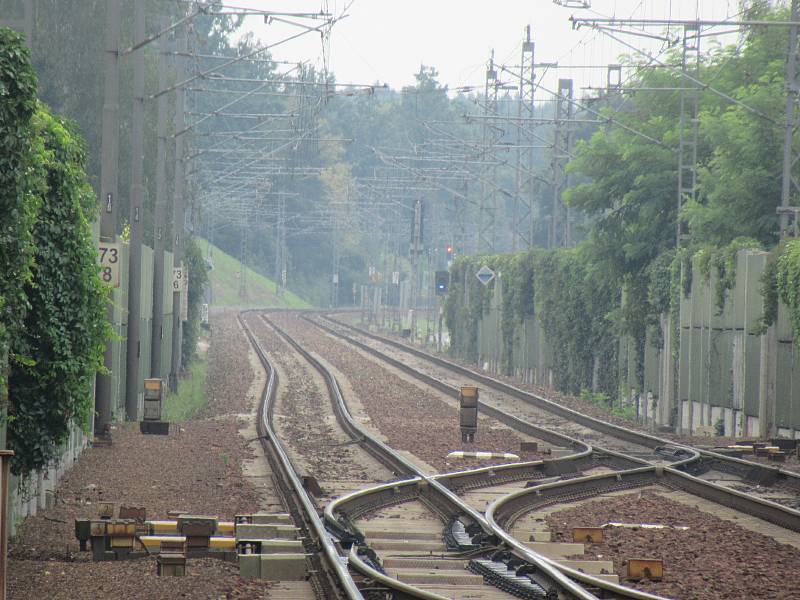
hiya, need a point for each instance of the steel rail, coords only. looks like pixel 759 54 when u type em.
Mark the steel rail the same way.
pixel 442 499
pixel 581 483
pixel 336 570
pixel 672 475
pixel 493 475
pixel 788 478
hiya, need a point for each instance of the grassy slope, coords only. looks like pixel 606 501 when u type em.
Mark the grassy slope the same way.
pixel 191 395
pixel 260 290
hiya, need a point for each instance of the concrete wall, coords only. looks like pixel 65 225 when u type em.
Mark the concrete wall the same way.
pixel 727 375
pixel 721 372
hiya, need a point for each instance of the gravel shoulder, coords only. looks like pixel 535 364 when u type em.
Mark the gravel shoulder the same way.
pixel 197 468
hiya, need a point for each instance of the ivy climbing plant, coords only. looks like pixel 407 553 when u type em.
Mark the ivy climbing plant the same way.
pixel 62 340
pixel 18 206
pixel 787 282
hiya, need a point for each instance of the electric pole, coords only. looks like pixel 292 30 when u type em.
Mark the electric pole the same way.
pixel 416 251
pixel 136 219
pixel 523 198
pixel 178 210
pixel 788 184
pixel 109 174
pixel 335 262
pixel 688 126
pixel 160 216
pixel 488 204
pixel 243 259
pixel 562 139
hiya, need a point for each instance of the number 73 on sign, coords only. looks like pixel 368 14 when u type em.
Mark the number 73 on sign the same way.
pixel 110 257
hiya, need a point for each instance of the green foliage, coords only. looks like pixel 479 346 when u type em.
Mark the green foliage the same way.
pixel 787 282
pixel 769 290
pixel 723 260
pixel 224 282
pixel 198 280
pixel 18 202
pixel 191 395
pixel 606 402
pixel 572 302
pixel 65 329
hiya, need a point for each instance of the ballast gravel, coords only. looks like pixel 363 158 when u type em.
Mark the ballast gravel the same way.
pixel 411 417
pixel 197 469
pixel 714 559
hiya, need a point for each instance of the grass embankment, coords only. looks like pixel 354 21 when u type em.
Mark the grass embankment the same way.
pixel 260 293
pixel 191 395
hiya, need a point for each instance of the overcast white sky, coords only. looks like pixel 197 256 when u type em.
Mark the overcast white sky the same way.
pixel 386 41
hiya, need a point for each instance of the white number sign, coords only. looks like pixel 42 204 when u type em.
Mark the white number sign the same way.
pixel 110 258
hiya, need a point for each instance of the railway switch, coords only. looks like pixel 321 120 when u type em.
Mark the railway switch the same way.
pixel 468 412
pixel 153 397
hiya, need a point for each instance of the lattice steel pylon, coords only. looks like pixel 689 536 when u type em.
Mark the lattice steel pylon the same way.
pixel 688 124
pixel 524 190
pixel 243 260
pixel 790 188
pixel 488 204
pixel 280 247
pixel 562 143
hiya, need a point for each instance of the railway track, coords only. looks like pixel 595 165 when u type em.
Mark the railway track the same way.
pixel 330 578
pixel 467 535
pixel 707 473
pixel 365 521
pixel 505 508
pixel 464 522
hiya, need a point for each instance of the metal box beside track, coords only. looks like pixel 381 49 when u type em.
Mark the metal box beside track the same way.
pixel 153 397
pixel 468 412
